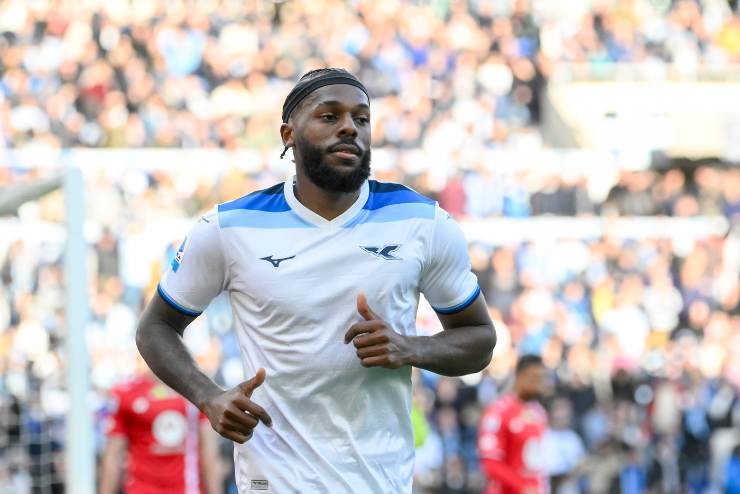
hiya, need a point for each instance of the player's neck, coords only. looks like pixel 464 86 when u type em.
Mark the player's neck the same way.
pixel 523 397
pixel 326 204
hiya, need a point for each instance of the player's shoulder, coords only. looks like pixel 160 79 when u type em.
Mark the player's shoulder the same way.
pixel 387 193
pixel 130 386
pixel 539 410
pixel 497 413
pixel 271 199
pixel 398 201
pixel 127 390
pixel 504 405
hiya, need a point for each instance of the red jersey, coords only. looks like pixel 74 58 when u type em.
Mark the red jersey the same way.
pixel 161 428
pixel 510 446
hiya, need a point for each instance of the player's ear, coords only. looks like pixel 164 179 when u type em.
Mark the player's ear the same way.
pixel 286 133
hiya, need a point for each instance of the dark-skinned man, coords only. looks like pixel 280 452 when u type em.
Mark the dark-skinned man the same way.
pixel 324 274
pixel 511 432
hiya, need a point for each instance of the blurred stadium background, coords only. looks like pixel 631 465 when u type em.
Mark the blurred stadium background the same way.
pixel 590 150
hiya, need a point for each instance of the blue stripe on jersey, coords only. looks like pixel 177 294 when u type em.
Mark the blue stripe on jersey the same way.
pixel 261 219
pixel 394 212
pixel 268 208
pixel 462 305
pixel 376 186
pixel 175 305
pixel 271 199
pixel 382 199
pixel 393 202
pixel 386 193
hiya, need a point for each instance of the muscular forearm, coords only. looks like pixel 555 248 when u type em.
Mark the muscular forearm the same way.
pixel 166 354
pixel 110 471
pixel 110 479
pixel 454 352
pixel 209 461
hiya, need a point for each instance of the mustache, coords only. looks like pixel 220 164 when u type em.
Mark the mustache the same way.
pixel 347 144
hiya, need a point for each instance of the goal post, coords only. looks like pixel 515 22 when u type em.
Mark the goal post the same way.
pixel 80 439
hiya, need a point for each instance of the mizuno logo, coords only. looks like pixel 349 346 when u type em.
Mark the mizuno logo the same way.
pixel 385 252
pixel 275 262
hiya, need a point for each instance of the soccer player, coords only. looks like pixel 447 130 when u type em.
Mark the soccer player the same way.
pixel 324 273
pixel 167 442
pixel 511 433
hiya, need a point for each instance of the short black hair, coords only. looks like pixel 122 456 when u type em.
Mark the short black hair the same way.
pixel 527 361
pixel 313 74
pixel 319 72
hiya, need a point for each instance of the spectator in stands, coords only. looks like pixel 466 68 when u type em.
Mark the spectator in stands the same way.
pixel 732 473
pixel 562 449
pixel 456 81
pixel 169 76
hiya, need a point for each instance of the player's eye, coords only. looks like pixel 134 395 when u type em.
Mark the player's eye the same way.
pixel 362 119
pixel 328 117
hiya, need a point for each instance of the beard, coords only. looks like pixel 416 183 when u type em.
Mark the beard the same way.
pixel 328 177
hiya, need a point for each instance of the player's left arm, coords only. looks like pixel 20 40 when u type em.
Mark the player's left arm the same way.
pixel 466 344
pixel 111 469
pixel 464 347
pixel 209 459
pixel 116 446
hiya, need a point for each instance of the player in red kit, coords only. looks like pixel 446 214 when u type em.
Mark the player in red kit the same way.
pixel 510 435
pixel 171 448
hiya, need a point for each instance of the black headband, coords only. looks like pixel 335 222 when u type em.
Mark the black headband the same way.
pixel 304 88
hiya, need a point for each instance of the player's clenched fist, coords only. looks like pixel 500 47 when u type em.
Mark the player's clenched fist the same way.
pixel 233 414
pixel 376 344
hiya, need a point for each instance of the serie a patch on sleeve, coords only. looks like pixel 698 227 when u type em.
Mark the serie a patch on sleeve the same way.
pixel 179 255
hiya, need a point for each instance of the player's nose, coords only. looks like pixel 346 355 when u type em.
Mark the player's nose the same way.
pixel 347 126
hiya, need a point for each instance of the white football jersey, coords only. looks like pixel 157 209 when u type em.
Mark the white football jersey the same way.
pixel 293 278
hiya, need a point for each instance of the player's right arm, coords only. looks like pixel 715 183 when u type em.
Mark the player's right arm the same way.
pixel 111 469
pixel 209 460
pixel 116 446
pixel 195 277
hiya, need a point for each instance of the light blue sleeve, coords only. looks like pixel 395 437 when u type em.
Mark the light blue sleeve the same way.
pixel 447 281
pixel 197 274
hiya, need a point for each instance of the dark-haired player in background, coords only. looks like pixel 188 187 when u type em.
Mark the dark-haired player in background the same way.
pixel 324 274
pixel 510 434
pixel 157 443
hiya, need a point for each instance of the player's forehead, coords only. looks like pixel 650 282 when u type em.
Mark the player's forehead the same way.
pixel 535 371
pixel 345 96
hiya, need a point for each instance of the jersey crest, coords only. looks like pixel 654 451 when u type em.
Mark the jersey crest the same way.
pixel 385 252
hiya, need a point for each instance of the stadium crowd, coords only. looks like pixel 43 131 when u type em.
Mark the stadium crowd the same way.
pixel 213 74
pixel 641 335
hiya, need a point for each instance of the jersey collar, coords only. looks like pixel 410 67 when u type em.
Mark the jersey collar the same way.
pixel 319 220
